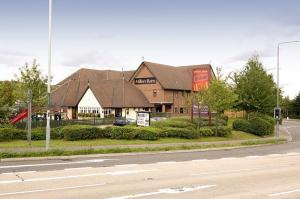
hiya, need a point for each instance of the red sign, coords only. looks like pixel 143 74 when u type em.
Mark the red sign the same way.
pixel 200 79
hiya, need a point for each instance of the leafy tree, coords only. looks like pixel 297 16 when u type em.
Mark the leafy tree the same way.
pixel 255 88
pixel 286 106
pixel 7 99
pixel 31 78
pixel 296 105
pixel 219 96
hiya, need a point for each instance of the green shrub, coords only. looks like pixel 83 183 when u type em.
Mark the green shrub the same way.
pixel 206 132
pixel 81 132
pixel 7 134
pixel 221 131
pixel 205 122
pixel 181 133
pixel 268 118
pixel 261 127
pixel 174 123
pixel 241 125
pixel 146 133
pixel 127 133
pixel 40 133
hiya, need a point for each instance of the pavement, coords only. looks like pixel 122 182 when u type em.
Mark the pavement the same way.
pixel 258 172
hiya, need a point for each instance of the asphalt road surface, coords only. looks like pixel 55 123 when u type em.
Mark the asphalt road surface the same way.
pixel 259 172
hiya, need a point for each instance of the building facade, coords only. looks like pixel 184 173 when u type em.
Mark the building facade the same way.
pixel 105 93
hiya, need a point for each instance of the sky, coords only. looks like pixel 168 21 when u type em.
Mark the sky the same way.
pixel 116 34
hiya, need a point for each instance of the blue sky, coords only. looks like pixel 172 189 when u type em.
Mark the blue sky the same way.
pixel 113 34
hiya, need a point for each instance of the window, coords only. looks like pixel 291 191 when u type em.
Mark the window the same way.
pixel 182 92
pixel 154 92
pixel 176 110
pixel 181 110
pixel 176 94
pixel 127 111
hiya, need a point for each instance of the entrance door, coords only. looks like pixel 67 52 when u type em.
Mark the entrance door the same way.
pixel 118 112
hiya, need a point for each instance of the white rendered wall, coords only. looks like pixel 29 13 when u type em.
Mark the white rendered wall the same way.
pixel 89 100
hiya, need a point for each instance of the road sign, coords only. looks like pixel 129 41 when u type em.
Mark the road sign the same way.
pixel 143 118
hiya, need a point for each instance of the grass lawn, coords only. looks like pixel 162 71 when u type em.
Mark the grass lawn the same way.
pixel 236 135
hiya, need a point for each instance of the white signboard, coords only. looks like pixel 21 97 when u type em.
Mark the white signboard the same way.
pixel 143 118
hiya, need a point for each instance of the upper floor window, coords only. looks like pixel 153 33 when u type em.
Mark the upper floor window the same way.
pixel 154 92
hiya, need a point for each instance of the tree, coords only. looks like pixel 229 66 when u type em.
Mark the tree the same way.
pixel 31 78
pixel 286 106
pixel 296 105
pixel 219 96
pixel 255 88
pixel 7 99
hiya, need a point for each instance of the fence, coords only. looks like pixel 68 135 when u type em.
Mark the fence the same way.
pixel 57 123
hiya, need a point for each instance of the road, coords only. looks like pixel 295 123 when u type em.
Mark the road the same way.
pixel 259 172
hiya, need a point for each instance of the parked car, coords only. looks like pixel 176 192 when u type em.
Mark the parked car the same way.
pixel 120 122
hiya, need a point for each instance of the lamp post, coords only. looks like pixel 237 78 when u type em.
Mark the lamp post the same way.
pixel 49 79
pixel 277 100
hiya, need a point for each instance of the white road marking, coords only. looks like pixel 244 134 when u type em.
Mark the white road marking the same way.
pixel 126 165
pixel 284 193
pixel 167 162
pixel 73 176
pixel 116 173
pixel 292 154
pixel 223 172
pixel 23 172
pixel 200 160
pixel 56 163
pixel 77 168
pixel 253 156
pixel 275 155
pixel 54 189
pixel 165 191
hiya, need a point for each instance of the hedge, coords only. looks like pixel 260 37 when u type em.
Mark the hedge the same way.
pixel 256 125
pixel 81 132
pixel 8 134
pixel 174 124
pixel 261 127
pixel 242 125
pixel 180 133
pixel 206 132
pixel 221 131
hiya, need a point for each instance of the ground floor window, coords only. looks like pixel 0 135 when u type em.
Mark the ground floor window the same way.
pixel 95 110
pixel 181 110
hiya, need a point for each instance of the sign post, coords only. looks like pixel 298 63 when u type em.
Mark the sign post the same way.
pixel 143 118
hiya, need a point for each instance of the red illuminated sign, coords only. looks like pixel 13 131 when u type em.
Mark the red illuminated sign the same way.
pixel 200 79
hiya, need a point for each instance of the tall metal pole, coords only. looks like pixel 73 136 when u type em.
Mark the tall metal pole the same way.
pixel 277 98
pixel 49 78
pixel 29 117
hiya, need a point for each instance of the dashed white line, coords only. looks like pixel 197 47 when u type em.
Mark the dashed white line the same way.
pixel 56 163
pixel 77 168
pixel 284 193
pixel 116 173
pixel 54 189
pixel 165 191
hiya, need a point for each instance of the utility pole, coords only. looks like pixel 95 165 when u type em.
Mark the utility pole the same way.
pixel 124 95
pixel 29 117
pixel 277 96
pixel 49 78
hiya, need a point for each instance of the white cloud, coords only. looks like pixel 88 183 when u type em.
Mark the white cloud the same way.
pixel 93 59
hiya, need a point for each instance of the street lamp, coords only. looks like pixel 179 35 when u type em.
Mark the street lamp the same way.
pixel 49 79
pixel 277 101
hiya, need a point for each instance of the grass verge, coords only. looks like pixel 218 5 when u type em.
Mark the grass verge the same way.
pixel 62 152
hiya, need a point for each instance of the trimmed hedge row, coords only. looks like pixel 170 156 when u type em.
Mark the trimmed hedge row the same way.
pixel 8 134
pixel 256 125
pixel 177 128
